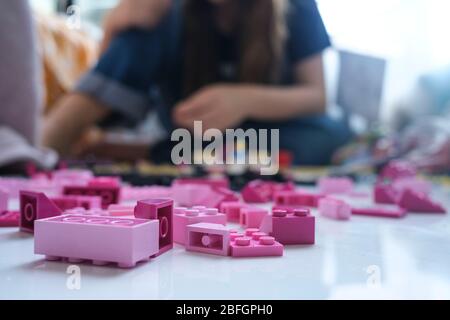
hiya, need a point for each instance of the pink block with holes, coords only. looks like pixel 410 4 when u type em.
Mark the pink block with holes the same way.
pixel 102 240
pixel 290 228
pixel 298 198
pixel 118 210
pixel 70 202
pixel 162 210
pixel 210 182
pixel 108 193
pixel 414 201
pixel 385 211
pixel 9 219
pixel 183 217
pixel 34 206
pixel 335 208
pixel 254 244
pixel 385 194
pixel 208 238
pixel 251 217
pixel 335 185
pixel 232 210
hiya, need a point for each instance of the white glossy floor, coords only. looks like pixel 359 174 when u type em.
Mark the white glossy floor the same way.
pixel 363 258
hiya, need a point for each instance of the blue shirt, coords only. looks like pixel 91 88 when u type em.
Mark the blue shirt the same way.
pixel 143 69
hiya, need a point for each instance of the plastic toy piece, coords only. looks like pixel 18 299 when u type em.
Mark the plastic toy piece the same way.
pixel 380 211
pixel 256 244
pixel 299 198
pixel 9 219
pixel 251 217
pixel 104 182
pixel 208 238
pixel 34 206
pixel 102 240
pixel 71 202
pixel 183 217
pixel 210 182
pixel 161 209
pixel 419 202
pixel 3 200
pixel 413 183
pixel 217 196
pixel 385 194
pixel 335 185
pixel 117 210
pixel 290 228
pixel 108 193
pixel 189 195
pixel 335 208
pixel 141 193
pixel 398 169
pixel 258 191
pixel 232 210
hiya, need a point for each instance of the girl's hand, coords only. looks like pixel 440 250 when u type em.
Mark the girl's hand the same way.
pixel 218 106
pixel 133 13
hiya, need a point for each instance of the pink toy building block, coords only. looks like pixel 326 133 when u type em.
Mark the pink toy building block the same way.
pixel 34 206
pixel 334 185
pixel 251 217
pixel 161 209
pixel 232 210
pixel 105 182
pixel 117 210
pixel 335 208
pixel 108 193
pixel 189 195
pixel 183 217
pixel 412 183
pixel 208 238
pixel 103 240
pixel 385 211
pixel 254 244
pixel 384 193
pixel 398 169
pixel 298 198
pixel 9 219
pixel 419 202
pixel 217 196
pixel 70 202
pixel 290 228
pixel 259 191
pixel 220 182
pixel 3 200
pixel 129 193
pixel 87 212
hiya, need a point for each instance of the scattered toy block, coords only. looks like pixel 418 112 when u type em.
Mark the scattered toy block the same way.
pixel 161 209
pixel 9 219
pixel 385 194
pixel 380 211
pixel 232 210
pixel 108 193
pixel 208 238
pixel 412 183
pixel 183 217
pixel 71 202
pixel 298 198
pixel 290 228
pixel 129 193
pixel 34 206
pixel 335 208
pixel 117 210
pixel 251 217
pixel 189 195
pixel 414 201
pixel 256 245
pixel 257 191
pixel 398 169
pixel 335 185
pixel 102 240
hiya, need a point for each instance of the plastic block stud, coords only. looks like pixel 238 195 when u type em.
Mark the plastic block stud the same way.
pixel 108 193
pixel 102 240
pixel 161 209
pixel 34 206
pixel 255 244
pixel 183 217
pixel 251 217
pixel 414 201
pixel 9 219
pixel 335 208
pixel 208 238
pixel 290 228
